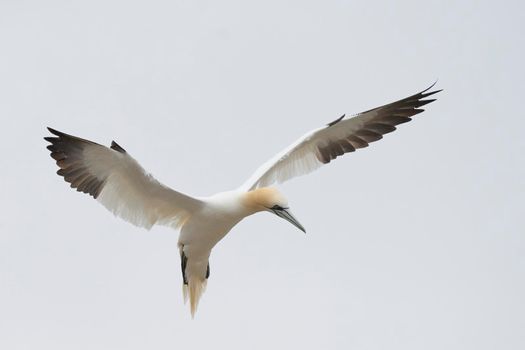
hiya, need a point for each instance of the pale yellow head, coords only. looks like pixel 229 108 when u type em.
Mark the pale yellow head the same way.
pixel 271 200
pixel 265 198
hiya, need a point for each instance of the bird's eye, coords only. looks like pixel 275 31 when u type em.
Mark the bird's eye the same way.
pixel 277 207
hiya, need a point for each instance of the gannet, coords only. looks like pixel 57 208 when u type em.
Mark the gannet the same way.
pixel 115 179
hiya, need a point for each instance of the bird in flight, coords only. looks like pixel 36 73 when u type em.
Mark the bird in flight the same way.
pixel 115 179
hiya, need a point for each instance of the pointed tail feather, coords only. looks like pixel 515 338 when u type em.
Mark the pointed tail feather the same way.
pixel 194 289
pixel 195 273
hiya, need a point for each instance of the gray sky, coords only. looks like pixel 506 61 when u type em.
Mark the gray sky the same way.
pixel 414 243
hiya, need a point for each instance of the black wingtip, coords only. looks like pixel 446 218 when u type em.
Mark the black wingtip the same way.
pixel 430 87
pixel 336 121
pixel 423 95
pixel 117 147
pixel 50 139
pixel 55 132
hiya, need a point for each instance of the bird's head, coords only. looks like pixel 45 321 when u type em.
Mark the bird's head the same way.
pixel 271 200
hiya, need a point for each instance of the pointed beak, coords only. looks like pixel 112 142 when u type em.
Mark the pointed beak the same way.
pixel 285 214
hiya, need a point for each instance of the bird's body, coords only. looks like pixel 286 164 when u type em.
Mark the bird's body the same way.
pixel 116 180
pixel 204 229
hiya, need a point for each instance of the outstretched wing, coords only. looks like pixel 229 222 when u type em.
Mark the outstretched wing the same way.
pixel 341 136
pixel 118 181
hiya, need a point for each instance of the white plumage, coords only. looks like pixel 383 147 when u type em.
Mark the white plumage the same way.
pixel 118 181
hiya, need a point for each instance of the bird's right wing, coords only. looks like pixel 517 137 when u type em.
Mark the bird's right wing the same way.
pixel 118 181
pixel 341 136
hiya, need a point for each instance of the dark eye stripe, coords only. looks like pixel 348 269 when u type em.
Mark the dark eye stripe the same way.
pixel 277 207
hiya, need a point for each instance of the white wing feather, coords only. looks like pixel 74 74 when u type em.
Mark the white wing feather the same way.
pixel 297 159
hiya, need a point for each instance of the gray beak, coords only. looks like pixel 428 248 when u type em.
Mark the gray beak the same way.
pixel 285 214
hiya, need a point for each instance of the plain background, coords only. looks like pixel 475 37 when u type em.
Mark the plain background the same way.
pixel 414 243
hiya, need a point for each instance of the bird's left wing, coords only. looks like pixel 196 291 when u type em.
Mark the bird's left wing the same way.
pixel 118 181
pixel 341 136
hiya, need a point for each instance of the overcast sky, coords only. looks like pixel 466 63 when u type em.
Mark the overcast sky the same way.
pixel 414 243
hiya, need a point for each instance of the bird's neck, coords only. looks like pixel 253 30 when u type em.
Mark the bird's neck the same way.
pixel 235 203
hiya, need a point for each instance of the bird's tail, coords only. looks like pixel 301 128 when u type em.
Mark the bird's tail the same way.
pixel 194 290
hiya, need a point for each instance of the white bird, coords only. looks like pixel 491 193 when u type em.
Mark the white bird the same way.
pixel 118 181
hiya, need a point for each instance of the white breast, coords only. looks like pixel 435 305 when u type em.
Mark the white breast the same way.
pixel 213 221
